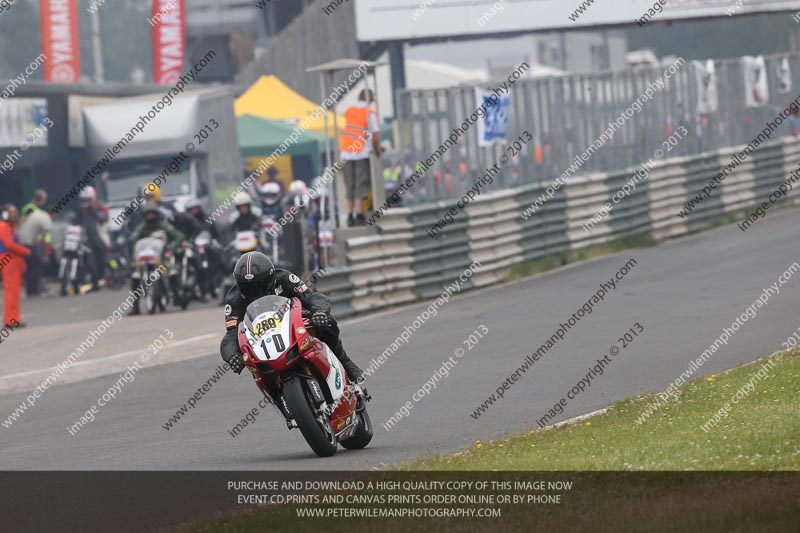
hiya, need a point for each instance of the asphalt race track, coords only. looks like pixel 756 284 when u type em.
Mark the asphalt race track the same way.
pixel 683 293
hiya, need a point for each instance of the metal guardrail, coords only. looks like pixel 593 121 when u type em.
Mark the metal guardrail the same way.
pixel 403 263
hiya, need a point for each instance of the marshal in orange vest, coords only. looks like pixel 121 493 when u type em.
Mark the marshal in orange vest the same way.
pixel 356 132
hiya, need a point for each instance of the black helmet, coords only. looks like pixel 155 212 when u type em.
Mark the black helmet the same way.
pixel 254 274
pixel 149 208
pixel 192 203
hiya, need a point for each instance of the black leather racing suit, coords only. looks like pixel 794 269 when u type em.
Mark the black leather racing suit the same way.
pixel 288 285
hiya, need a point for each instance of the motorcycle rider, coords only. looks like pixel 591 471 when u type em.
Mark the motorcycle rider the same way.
pixel 92 216
pixel 187 224
pixel 255 276
pixel 152 195
pixel 72 224
pixel 194 209
pixel 270 193
pixel 245 218
pixel 150 224
pixel 297 196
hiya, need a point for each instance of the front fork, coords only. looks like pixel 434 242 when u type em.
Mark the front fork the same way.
pixel 280 406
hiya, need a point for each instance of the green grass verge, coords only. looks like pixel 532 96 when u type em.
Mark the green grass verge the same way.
pixel 639 240
pixel 760 432
pixel 549 262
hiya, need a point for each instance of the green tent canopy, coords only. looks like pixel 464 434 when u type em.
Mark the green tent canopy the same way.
pixel 259 137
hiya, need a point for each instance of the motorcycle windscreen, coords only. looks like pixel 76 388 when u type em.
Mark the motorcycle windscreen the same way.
pixel 268 327
pixel 246 241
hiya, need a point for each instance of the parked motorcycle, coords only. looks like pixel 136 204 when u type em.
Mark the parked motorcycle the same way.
pixel 302 378
pixel 149 254
pixel 72 268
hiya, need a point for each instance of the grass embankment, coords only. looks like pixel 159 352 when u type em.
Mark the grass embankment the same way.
pixel 760 432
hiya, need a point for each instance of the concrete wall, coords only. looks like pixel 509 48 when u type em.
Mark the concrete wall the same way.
pixel 311 39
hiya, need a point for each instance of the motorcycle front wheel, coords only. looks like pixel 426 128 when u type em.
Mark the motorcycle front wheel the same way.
pixel 152 295
pixel 363 434
pixel 63 276
pixel 315 428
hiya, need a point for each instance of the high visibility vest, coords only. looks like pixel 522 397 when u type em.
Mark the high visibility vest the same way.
pixel 355 133
pixel 540 152
pixel 28 209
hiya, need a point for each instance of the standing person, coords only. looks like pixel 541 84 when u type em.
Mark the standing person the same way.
pixel 361 125
pixel 92 216
pixel 34 232
pixel 12 255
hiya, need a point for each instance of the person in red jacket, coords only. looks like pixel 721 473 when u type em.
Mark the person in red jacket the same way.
pixel 12 259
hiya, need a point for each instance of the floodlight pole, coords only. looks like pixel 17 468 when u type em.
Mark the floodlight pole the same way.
pixel 335 150
pixel 328 154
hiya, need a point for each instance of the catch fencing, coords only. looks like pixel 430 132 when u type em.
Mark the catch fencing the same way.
pixel 566 114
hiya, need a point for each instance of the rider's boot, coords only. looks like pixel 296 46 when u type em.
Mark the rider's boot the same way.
pixel 355 374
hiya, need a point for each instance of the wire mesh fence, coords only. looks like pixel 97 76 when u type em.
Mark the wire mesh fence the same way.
pixel 567 114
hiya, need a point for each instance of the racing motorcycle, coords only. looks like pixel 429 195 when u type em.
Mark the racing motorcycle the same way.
pixel 72 268
pixel 301 378
pixel 149 254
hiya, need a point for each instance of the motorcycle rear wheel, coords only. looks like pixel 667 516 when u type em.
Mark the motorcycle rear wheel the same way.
pixel 320 438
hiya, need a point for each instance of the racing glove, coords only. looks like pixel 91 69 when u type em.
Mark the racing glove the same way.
pixel 321 319
pixel 236 363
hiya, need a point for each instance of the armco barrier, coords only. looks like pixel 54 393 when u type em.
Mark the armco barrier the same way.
pixel 402 263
